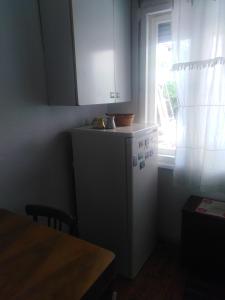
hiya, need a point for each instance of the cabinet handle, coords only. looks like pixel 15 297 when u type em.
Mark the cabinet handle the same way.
pixel 112 95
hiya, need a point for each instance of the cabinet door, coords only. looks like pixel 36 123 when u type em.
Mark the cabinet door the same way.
pixel 122 28
pixel 59 57
pixel 94 50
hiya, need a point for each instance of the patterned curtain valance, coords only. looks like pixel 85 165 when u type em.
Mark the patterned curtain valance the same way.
pixel 193 65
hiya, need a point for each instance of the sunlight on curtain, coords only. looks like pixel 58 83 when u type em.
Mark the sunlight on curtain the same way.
pixel 199 69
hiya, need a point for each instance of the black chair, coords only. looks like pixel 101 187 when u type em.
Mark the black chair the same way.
pixel 56 218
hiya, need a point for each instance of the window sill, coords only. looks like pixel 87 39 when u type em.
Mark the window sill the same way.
pixel 167 167
pixel 166 161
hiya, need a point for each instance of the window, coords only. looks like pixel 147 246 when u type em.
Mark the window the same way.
pixel 161 95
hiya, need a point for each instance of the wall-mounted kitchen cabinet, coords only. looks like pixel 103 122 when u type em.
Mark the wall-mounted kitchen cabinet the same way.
pixel 87 50
pixel 122 42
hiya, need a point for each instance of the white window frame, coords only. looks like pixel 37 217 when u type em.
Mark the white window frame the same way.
pixel 166 158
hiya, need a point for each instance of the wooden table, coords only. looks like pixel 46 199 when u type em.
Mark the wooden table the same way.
pixel 37 262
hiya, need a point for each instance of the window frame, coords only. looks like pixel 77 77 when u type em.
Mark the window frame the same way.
pixel 166 157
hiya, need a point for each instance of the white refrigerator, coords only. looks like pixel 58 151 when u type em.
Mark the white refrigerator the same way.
pixel 116 185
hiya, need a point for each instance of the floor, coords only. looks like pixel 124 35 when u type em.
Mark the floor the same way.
pixel 163 278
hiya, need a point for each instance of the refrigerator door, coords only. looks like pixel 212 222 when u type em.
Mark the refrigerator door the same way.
pixel 142 187
pixel 101 191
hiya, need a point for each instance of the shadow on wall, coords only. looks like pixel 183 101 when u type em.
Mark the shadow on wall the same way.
pixel 171 200
pixel 34 173
pixel 36 155
pixel 35 151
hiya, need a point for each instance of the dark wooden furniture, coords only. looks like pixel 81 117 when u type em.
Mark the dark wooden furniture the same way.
pixel 56 218
pixel 203 238
pixel 38 262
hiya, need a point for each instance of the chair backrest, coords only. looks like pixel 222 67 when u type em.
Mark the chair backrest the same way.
pixel 56 218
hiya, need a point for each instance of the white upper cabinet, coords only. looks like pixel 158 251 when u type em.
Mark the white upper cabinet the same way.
pixel 94 50
pixel 122 25
pixel 87 50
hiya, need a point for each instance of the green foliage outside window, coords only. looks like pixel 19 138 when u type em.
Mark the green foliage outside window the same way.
pixel 170 91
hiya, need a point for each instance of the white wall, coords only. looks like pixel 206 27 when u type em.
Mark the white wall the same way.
pixel 171 199
pixel 35 148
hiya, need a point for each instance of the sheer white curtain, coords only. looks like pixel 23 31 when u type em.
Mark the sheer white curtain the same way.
pixel 199 69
